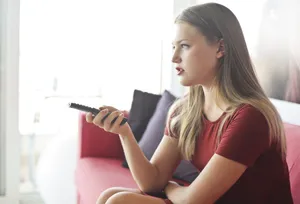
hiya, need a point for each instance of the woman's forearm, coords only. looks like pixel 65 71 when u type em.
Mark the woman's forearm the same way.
pixel 143 172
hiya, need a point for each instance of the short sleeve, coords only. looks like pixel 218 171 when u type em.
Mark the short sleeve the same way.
pixel 246 137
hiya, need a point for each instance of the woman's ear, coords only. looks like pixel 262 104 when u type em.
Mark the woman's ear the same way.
pixel 221 49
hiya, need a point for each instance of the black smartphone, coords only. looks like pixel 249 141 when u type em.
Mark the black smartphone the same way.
pixel 94 111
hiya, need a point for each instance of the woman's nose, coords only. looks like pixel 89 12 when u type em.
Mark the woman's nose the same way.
pixel 176 58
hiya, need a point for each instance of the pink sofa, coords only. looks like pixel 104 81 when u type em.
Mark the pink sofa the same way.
pixel 101 155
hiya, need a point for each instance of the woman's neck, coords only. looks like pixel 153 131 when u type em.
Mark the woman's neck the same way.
pixel 213 109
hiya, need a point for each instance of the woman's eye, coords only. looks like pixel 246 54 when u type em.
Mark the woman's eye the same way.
pixel 184 46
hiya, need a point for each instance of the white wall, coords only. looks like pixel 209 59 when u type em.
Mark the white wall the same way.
pixel 290 112
pixel 9 19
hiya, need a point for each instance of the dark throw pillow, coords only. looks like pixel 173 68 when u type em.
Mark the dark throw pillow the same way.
pixel 156 126
pixel 142 109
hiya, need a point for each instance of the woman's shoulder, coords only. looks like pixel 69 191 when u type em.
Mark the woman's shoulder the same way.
pixel 247 115
pixel 247 111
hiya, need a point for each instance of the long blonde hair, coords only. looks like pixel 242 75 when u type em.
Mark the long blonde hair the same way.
pixel 236 81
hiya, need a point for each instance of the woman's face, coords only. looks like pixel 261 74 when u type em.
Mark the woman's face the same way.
pixel 196 60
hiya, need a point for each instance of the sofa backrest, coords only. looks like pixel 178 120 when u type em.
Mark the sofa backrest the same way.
pixel 293 158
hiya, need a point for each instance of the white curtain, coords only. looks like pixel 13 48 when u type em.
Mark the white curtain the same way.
pixel 89 48
pixel 92 47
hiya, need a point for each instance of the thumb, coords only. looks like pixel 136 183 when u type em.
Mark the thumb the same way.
pixel 110 108
pixel 89 117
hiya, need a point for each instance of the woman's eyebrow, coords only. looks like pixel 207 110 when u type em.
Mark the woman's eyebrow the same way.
pixel 178 41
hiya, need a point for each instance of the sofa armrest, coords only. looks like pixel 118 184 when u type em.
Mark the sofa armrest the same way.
pixel 96 142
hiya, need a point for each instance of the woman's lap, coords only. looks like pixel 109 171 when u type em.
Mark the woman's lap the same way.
pixel 132 195
pixel 135 198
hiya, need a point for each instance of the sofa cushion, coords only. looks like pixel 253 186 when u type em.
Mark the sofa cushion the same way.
pixel 293 159
pixel 142 108
pixel 155 129
pixel 155 132
pixel 94 175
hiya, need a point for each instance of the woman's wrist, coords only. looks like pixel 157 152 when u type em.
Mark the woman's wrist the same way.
pixel 171 185
pixel 128 135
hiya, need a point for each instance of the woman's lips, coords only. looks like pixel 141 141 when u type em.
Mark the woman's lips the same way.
pixel 179 70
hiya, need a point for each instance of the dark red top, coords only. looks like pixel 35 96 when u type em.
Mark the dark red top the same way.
pixel 245 140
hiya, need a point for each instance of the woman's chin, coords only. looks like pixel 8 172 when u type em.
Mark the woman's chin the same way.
pixel 184 82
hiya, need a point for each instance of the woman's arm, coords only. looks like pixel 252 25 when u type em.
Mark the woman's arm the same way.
pixel 151 176
pixel 216 178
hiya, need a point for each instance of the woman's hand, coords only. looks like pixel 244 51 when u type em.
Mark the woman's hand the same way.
pixel 107 124
pixel 175 192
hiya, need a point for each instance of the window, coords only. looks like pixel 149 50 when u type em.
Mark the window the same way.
pixel 89 51
pixel 9 135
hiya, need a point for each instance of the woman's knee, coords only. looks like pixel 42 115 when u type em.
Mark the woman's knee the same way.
pixel 105 195
pixel 121 197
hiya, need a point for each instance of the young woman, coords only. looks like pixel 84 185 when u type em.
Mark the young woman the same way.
pixel 225 125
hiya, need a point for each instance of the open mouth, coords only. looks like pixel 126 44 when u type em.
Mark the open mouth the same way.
pixel 179 70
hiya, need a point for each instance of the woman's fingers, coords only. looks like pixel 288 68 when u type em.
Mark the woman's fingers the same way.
pixel 116 125
pixel 110 120
pixel 98 118
pixel 89 117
